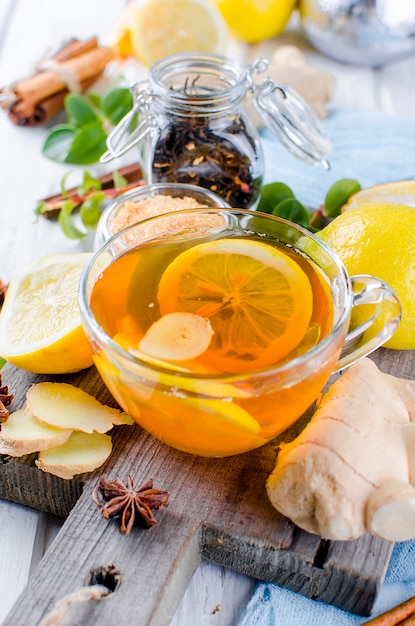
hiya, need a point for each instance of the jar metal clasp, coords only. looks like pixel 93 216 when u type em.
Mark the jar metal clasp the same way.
pixel 128 132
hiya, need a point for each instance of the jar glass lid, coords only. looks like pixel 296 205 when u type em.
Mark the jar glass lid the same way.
pixel 293 122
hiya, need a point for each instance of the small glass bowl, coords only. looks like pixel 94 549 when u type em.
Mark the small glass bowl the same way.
pixel 107 225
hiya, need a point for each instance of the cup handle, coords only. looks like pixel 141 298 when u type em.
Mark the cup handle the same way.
pixel 378 327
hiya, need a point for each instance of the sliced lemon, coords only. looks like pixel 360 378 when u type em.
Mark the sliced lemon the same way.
pixel 228 411
pixel 257 297
pixel 198 386
pixel 120 35
pixel 40 324
pixel 399 192
pixel 162 27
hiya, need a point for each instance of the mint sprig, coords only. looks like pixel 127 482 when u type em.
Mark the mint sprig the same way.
pixel 87 199
pixel 279 199
pixel 81 140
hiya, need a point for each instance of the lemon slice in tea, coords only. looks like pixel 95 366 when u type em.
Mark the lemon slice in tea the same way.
pixel 197 386
pixel 258 299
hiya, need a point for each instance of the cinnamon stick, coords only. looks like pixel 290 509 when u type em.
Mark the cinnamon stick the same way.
pixel 35 100
pixel 74 48
pixel 400 615
pixel 132 173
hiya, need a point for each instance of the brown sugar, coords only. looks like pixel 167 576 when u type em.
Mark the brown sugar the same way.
pixel 133 212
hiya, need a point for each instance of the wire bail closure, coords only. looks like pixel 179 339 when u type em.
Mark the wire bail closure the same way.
pixel 115 140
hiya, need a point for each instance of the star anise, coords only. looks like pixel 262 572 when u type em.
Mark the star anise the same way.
pixel 6 399
pixel 129 504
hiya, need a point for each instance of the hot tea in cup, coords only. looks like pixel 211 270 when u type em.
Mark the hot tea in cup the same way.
pixel 217 328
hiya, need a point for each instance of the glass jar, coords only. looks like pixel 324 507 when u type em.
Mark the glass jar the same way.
pixel 193 126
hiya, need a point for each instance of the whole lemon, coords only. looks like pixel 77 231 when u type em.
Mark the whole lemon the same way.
pixel 379 239
pixel 255 20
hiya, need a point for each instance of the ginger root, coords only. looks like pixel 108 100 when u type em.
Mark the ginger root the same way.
pixel 289 66
pixel 352 469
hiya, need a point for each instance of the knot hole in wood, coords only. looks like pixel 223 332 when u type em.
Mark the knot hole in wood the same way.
pixel 106 575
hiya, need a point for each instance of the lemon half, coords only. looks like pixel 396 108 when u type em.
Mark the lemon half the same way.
pixel 399 192
pixel 40 324
pixel 152 29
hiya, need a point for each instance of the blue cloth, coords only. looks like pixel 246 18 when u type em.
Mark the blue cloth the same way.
pixel 372 148
pixel 271 605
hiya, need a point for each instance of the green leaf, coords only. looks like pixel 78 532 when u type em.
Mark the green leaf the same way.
pixel 80 112
pixel 116 103
pixel 338 195
pixel 63 184
pixel 88 183
pixel 96 99
pixel 41 208
pixel 58 142
pixel 2 362
pixel 67 223
pixel 292 209
pixel 272 194
pixel 88 145
pixel 91 209
pixel 119 180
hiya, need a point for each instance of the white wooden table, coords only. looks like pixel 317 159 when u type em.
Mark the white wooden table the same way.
pixel 29 30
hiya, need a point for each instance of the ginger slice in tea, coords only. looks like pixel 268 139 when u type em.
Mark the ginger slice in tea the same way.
pixel 177 337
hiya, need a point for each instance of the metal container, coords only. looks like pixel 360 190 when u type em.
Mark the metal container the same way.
pixel 360 32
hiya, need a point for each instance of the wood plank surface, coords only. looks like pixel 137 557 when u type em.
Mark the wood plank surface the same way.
pixel 218 512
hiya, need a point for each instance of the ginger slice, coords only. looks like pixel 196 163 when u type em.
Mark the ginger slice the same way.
pixel 22 434
pixel 81 453
pixel 177 337
pixel 64 406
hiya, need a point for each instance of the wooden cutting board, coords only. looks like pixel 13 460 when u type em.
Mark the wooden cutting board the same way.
pixel 218 511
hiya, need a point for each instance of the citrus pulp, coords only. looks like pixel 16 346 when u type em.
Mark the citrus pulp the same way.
pixel 258 299
pixel 399 192
pixel 152 29
pixel 40 324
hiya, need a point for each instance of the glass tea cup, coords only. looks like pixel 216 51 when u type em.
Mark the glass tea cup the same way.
pixel 202 406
